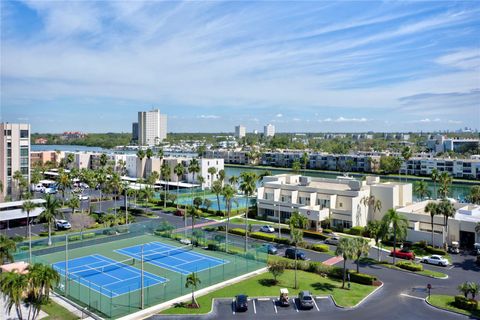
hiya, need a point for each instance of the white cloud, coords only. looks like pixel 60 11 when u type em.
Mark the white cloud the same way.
pixel 343 119
pixel 279 115
pixel 208 116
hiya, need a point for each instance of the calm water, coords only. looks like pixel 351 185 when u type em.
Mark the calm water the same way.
pixel 457 191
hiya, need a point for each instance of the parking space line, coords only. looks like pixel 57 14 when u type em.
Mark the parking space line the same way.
pixel 409 296
pixel 254 308
pixel 233 306
pixel 275 306
pixel 294 304
pixel 315 303
pixel 322 297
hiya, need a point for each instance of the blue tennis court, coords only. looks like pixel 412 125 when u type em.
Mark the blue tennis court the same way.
pixel 178 259
pixel 106 276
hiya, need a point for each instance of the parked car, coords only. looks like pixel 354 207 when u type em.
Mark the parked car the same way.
pixel 241 302
pixel 50 190
pixel 38 188
pixel 268 248
pixel 267 229
pixel 454 248
pixel 403 254
pixel 62 224
pixel 82 197
pixel 305 299
pixel 179 213
pixel 290 253
pixel 332 240
pixel 435 259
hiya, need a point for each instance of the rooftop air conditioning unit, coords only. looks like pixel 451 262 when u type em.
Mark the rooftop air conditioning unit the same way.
pixel 305 181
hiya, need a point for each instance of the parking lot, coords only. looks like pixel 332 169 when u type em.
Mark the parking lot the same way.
pixel 270 307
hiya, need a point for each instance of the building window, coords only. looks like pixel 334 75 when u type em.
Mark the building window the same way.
pixel 24 152
pixel 23 133
pixel 24 162
pixel 24 170
pixel 8 132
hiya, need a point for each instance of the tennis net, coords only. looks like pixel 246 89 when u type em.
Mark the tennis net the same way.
pixel 88 270
pixel 167 253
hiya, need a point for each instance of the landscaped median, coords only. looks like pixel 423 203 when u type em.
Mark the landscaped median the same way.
pixel 407 266
pixel 448 303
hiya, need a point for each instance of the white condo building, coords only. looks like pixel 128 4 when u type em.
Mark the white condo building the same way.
pixel 152 127
pixel 269 130
pixel 14 155
pixel 240 131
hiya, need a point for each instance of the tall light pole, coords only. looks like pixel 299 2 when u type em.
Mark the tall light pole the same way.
pixel 142 284
pixel 66 264
pixel 279 223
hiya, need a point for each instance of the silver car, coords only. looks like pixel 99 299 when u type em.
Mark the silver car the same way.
pixel 305 299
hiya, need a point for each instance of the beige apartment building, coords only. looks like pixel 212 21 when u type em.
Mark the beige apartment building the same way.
pixel 15 155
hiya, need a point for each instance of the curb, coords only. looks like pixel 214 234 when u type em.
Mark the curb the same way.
pixel 412 272
pixel 452 311
pixel 360 302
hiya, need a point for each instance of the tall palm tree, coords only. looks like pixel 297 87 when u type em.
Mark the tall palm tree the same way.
pixel 377 232
pixel 149 153
pixel 73 203
pixel 421 189
pixel 217 189
pixel 221 175
pixel 179 170
pixel 304 160
pixel 160 154
pixel 248 185
pixel 212 171
pixel 115 185
pixel 42 280
pixel 13 287
pixel 228 196
pixel 193 168
pixel 7 248
pixel 297 237
pixel 101 178
pixel 447 210
pixel 361 248
pixel 28 206
pixel 396 224
pixel 201 180
pixel 192 281
pixel 474 195
pixel 90 179
pixel 296 166
pixel 346 251
pixel 63 183
pixel 165 172
pixel 52 210
pixel 406 155
pixel 435 175
pixel 17 176
pixel 432 209
pixel 233 180
pixel 445 181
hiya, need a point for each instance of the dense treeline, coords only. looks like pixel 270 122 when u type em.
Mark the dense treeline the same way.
pixel 104 140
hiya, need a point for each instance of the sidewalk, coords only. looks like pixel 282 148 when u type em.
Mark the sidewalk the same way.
pixel 76 311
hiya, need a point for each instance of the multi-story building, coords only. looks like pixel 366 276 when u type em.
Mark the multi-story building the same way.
pixel 269 130
pixel 441 144
pixel 152 127
pixel 458 168
pixel 230 156
pixel 135 131
pixel 341 199
pixel 15 155
pixel 240 131
pixel 42 157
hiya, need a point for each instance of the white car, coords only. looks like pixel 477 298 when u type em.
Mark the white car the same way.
pixel 332 240
pixel 82 197
pixel 435 259
pixel 267 229
pixel 50 190
pixel 62 224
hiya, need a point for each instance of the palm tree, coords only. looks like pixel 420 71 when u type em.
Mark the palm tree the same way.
pixel 445 181
pixel 194 213
pixel 160 154
pixel 361 248
pixel 13 287
pixel 228 195
pixel 63 183
pixel 248 185
pixel 192 281
pixel 221 175
pixel 473 196
pixel 52 210
pixel 179 170
pixel 233 180
pixel 296 166
pixel 397 224
pixel 406 155
pixel 165 172
pixel 435 175
pixel 372 202
pixel 345 250
pixel 474 289
pixel 141 154
pixel 90 179
pixel 73 203
pixel 201 180
pixel 28 206
pixel 217 189
pixel 17 176
pixel 464 288
pixel 432 209
pixel 101 178
pixel 421 189
pixel 115 185
pixel 304 160
pixel 212 171
pixel 193 168
pixel 7 248
pixel 149 153
pixel 446 208
pixel 42 279
pixel 377 232
pixel 297 237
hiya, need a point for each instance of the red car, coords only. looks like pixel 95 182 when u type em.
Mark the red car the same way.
pixel 403 254
pixel 179 213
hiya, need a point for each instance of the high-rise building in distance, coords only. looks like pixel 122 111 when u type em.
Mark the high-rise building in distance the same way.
pixel 240 131
pixel 152 127
pixel 15 156
pixel 269 130
pixel 135 131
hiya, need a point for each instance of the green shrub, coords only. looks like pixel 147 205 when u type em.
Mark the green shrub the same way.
pixel 45 234
pixel 314 235
pixel 109 232
pixel 263 236
pixel 433 250
pixel 355 231
pixel 89 235
pixel 282 240
pixel 212 247
pixel 74 238
pixel 465 304
pixel 362 278
pixel 122 229
pixel 408 265
pixel 221 228
pixel 327 231
pixel 237 231
pixel 320 247
pixel 210 229
pixel 421 244
pixel 24 248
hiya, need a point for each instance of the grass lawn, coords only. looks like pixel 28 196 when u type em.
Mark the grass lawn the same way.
pixel 57 312
pixel 261 286
pixel 446 302
pixel 425 272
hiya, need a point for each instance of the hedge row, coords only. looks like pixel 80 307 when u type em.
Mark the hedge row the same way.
pixel 74 238
pixel 45 233
pixel 314 235
pixel 433 250
pixel 237 231
pixel 89 235
pixel 465 304
pixel 408 265
pixel 318 247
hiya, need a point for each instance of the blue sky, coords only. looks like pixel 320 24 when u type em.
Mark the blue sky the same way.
pixel 303 66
